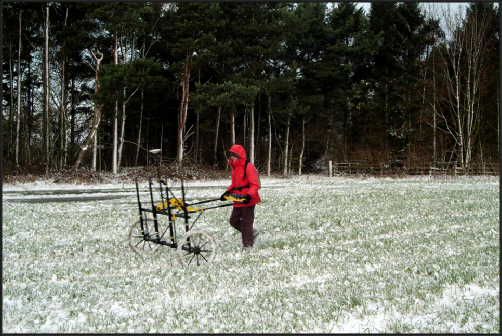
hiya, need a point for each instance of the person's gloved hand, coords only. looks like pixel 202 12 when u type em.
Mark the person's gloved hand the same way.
pixel 222 198
pixel 247 200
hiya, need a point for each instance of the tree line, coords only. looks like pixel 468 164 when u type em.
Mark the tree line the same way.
pixel 98 85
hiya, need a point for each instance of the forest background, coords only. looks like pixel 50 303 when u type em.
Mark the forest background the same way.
pixel 97 85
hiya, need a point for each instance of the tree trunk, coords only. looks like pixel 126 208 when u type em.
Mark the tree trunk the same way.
pixel 185 99
pixel 257 135
pixel 96 119
pixel 27 116
pixel 434 145
pixel 115 115
pixel 232 125
pixel 62 110
pixel 269 161
pixel 59 142
pixel 286 144
pixel 19 75
pixel 216 136
pixel 123 46
pixel 303 148
pixel 161 138
pixel 92 134
pixel 115 135
pixel 423 105
pixel 72 118
pixel 10 124
pixel 95 152
pixel 122 128
pixel 251 134
pixel 197 133
pixel 498 114
pixel 122 131
pixel 290 157
pixel 46 130
pixel 197 138
pixel 329 137
pixel 244 129
pixel 139 128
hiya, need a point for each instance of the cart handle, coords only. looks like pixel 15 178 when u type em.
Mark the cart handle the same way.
pixel 228 197
pixel 178 204
pixel 235 197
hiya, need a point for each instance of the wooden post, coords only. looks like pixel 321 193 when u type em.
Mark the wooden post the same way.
pixel 330 168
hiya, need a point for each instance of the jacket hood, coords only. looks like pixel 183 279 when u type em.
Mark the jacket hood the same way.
pixel 239 150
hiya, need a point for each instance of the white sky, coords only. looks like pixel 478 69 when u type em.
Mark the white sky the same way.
pixel 455 6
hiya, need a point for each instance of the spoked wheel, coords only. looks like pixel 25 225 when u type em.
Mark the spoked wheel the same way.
pixel 196 247
pixel 137 238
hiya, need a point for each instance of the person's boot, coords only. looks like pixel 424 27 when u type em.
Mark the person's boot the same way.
pixel 255 234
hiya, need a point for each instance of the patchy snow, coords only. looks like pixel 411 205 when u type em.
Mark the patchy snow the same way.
pixel 454 297
pixel 368 256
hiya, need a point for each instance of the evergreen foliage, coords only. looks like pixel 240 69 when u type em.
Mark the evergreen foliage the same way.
pixel 293 82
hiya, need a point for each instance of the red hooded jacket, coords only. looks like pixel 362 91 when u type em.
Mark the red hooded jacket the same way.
pixel 238 179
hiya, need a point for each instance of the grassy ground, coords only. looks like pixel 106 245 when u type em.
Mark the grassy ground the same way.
pixel 334 255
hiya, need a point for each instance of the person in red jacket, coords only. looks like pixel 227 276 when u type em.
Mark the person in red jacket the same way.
pixel 245 182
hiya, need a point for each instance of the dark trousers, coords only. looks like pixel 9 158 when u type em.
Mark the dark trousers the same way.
pixel 242 220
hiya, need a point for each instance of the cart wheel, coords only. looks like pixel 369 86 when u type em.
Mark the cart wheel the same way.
pixel 137 239
pixel 196 247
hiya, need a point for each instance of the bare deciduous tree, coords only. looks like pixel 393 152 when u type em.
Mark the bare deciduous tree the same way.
pixel 183 112
pixel 462 75
pixel 97 118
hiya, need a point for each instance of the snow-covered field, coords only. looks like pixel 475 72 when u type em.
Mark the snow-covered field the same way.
pixel 334 255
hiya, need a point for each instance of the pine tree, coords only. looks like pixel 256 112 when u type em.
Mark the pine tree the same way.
pixel 397 74
pixel 190 32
